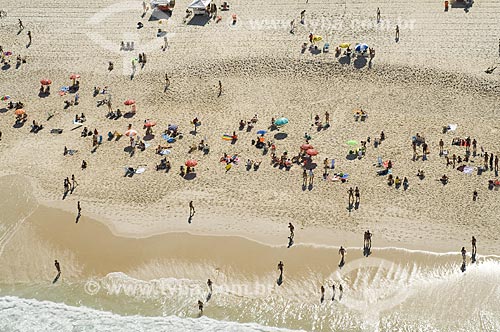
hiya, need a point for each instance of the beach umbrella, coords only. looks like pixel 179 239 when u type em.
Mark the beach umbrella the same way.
pixel 361 48
pixel 344 45
pixel 6 97
pixel 131 132
pixel 281 122
pixel 74 76
pixel 150 124
pixel 45 82
pixel 20 111
pixel 352 142
pixel 306 147
pixel 172 127
pixel 312 152
pixel 261 132
pixel 129 102
pixel 317 38
pixel 7 53
pixel 191 163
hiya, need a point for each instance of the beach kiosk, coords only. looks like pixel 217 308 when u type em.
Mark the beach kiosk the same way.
pixel 163 5
pixel 199 6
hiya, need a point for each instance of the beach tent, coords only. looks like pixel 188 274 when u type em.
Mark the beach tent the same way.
pixel 199 6
pixel 163 5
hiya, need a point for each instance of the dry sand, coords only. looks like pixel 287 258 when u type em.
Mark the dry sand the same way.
pixel 433 77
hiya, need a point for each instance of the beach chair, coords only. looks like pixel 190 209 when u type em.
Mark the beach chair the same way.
pixel 326 47
pixel 99 140
pixel 379 162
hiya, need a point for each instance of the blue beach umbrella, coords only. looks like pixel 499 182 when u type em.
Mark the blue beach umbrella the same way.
pixel 281 122
pixel 261 132
pixel 361 48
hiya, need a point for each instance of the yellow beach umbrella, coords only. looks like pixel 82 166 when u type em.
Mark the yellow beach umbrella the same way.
pixel 344 45
pixel 317 38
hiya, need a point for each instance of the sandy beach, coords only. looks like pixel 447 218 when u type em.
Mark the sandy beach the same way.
pixel 432 77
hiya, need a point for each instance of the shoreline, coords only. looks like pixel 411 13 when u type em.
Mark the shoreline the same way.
pixel 90 248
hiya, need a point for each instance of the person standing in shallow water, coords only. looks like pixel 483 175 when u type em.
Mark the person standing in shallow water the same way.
pixel 200 307
pixel 280 267
pixel 464 252
pixel 342 252
pixel 474 248
pixel 209 284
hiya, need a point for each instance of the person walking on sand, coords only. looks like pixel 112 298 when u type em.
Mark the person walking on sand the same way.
pixel 292 228
pixel 351 195
pixel 79 208
pixel 302 16
pixel 341 290
pixel 191 208
pixel 167 82
pixel 356 193
pixel 378 15
pixel 29 37
pixel 304 178
pixel 165 43
pixel 209 284
pixel 73 181
pixel 397 33
pixel 58 266
pixel 220 88
pixel 496 161
pixel 474 196
pixel 368 240
pixel 21 26
pixel 441 145
pixel 292 27
pixel 474 248
pixel 464 252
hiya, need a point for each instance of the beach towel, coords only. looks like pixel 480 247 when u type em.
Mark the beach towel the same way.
pixel 452 127
pixel 227 137
pixel 140 170
pixel 164 152
pixel 468 170
pixel 168 138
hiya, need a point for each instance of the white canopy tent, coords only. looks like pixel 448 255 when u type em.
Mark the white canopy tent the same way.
pixel 199 6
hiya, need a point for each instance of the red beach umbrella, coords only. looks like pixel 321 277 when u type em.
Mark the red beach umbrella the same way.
pixel 45 82
pixel 312 152
pixel 191 163
pixel 129 102
pixel 306 147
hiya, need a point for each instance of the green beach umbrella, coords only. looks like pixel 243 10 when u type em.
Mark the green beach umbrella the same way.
pixel 352 142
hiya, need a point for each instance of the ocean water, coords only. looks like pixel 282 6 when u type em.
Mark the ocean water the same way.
pixel 377 296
